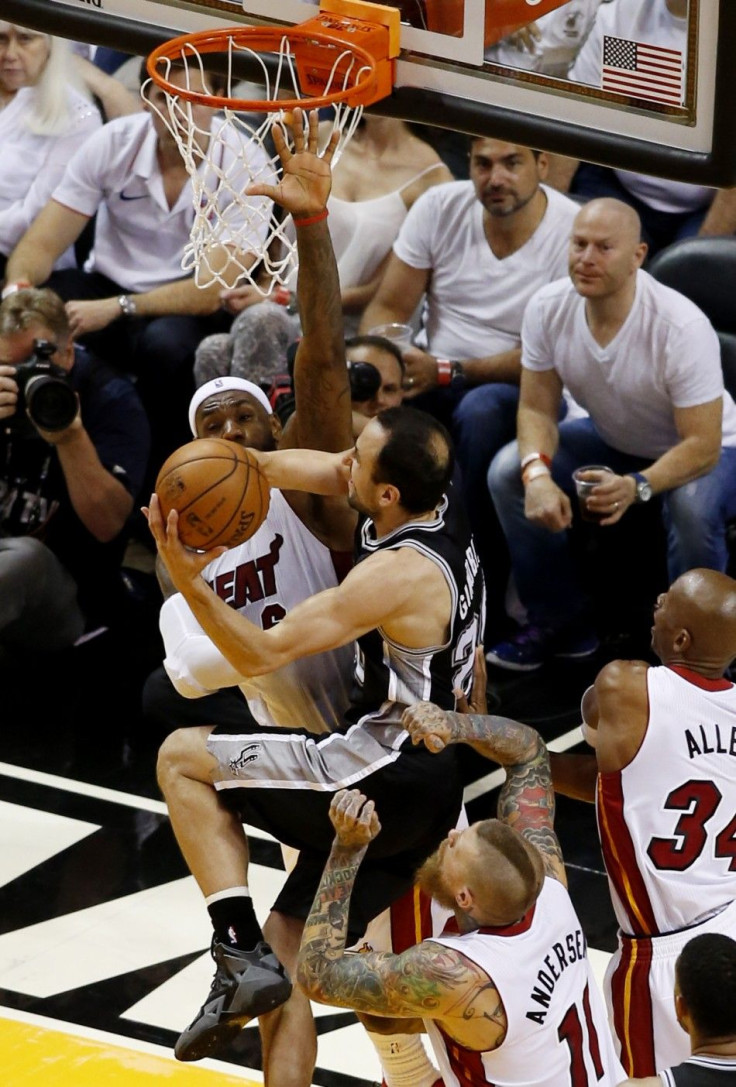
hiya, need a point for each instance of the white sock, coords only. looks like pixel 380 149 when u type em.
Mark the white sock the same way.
pixel 229 892
pixel 404 1060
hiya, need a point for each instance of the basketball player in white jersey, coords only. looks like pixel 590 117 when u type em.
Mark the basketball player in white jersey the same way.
pixel 705 1004
pixel 506 993
pixel 664 780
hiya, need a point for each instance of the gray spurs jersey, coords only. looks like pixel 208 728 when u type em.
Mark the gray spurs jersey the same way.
pixel 389 676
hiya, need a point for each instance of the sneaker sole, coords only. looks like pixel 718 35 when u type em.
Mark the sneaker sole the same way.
pixel 208 1040
pixel 579 656
pixel 512 666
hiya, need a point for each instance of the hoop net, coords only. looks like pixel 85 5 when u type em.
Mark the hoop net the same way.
pixel 224 140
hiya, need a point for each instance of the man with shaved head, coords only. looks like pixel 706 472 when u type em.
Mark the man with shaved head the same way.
pixel 644 362
pixel 664 781
pixel 506 993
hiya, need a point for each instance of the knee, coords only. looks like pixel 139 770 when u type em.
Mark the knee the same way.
pixel 25 555
pixel 178 757
pixel 504 475
pixel 487 406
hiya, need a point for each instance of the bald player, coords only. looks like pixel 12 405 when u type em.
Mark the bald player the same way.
pixel 664 780
pixel 506 994
pixel 645 363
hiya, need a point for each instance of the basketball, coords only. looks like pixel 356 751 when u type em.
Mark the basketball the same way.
pixel 218 491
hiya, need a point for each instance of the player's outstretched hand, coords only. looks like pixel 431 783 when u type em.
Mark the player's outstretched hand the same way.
pixel 306 177
pixel 428 724
pixel 354 818
pixel 184 566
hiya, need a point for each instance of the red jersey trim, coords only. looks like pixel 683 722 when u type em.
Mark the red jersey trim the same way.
pixel 705 684
pixel 522 925
pixel 620 857
pixel 467 1064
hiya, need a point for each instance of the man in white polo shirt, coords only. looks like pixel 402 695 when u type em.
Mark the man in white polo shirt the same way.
pixel 133 303
pixel 644 361
pixel 476 251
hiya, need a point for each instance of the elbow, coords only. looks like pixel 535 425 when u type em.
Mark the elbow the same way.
pixel 309 981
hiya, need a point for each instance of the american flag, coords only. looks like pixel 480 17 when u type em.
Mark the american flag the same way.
pixel 642 71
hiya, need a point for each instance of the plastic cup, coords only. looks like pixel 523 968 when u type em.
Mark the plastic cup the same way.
pixel 584 487
pixel 399 334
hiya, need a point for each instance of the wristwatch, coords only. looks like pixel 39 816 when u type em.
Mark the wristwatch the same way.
pixel 458 379
pixel 643 487
pixel 127 305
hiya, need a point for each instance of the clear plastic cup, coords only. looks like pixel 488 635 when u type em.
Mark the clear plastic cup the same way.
pixel 584 487
pixel 399 334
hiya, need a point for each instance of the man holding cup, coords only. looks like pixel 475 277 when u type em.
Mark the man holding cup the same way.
pixel 644 362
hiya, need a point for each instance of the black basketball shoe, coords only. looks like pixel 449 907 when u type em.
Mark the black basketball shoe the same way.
pixel 246 984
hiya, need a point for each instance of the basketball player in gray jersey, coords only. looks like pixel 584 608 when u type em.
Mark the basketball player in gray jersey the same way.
pixel 226 408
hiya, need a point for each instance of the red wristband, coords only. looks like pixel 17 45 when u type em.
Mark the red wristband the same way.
pixel 311 219
pixel 444 371
pixel 531 457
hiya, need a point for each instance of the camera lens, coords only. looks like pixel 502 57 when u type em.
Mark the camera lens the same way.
pixel 51 403
pixel 365 380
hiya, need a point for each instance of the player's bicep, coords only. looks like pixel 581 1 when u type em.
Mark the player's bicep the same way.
pixel 527 803
pixel 429 981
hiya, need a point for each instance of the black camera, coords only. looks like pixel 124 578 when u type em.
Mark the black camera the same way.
pixel 44 391
pixel 365 381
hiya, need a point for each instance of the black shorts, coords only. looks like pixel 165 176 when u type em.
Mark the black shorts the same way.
pixel 418 797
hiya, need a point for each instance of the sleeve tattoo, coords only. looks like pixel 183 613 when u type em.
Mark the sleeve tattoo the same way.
pixel 427 981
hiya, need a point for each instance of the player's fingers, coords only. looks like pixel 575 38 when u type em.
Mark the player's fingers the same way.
pixel 312 130
pixel 434 743
pixel 329 152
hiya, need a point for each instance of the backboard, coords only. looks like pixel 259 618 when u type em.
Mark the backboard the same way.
pixel 651 86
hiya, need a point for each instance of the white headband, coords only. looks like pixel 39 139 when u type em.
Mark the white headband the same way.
pixel 223 384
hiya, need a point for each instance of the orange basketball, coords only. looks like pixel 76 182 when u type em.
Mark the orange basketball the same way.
pixel 218 491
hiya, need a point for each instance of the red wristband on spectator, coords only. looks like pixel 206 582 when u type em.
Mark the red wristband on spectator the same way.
pixel 311 219
pixel 531 457
pixel 11 288
pixel 444 371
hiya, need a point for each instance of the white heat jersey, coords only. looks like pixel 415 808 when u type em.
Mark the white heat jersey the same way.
pixel 557 1034
pixel 263 579
pixel 667 821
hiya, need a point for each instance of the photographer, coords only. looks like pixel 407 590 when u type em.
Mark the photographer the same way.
pixel 73 447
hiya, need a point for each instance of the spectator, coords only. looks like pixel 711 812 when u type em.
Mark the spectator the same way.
pixel 43 120
pixel 131 303
pixel 705 1006
pixel 664 782
pixel 549 45
pixel 65 494
pixel 644 361
pixel 504 992
pixel 479 250
pixel 669 210
pixel 386 384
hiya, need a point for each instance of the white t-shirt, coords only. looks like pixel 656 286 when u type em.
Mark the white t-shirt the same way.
pixel 139 239
pixel 31 165
pixel 563 32
pixel 665 356
pixel 475 302
pixel 650 22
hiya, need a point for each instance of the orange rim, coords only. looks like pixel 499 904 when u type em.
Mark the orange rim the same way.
pixel 262 39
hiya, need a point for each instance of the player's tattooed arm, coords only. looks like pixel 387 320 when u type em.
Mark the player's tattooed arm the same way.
pixel 527 798
pixel 427 981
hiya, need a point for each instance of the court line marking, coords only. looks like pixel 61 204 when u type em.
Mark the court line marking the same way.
pixel 98 792
pixel 119 1041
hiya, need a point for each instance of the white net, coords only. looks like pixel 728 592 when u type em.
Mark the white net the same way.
pixel 236 238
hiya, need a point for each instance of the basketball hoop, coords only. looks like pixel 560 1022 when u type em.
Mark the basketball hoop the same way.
pixel 331 60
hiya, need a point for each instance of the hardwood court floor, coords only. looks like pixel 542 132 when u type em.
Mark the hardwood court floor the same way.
pixel 103 935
